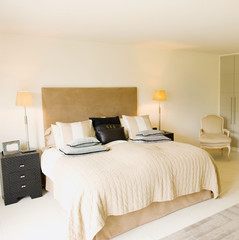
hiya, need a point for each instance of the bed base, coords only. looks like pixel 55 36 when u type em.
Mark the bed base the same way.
pixel 116 225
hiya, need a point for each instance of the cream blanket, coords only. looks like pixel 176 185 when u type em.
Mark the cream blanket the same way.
pixel 127 178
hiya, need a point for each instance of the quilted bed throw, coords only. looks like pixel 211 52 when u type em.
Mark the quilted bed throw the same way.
pixel 127 178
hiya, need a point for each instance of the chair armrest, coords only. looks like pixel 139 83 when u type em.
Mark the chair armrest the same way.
pixel 225 131
pixel 200 132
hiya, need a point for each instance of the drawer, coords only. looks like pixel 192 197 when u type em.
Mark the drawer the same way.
pixel 19 164
pixel 21 176
pixel 21 187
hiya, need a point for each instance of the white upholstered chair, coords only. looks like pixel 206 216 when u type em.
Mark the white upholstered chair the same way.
pixel 213 135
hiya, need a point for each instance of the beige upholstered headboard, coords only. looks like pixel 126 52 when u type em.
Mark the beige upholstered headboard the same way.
pixel 78 104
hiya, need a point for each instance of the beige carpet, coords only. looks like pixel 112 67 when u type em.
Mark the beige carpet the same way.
pixel 221 226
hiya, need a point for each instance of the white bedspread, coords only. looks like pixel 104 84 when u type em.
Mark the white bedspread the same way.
pixel 127 178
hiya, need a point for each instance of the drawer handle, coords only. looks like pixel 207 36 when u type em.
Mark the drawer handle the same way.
pixel 22 165
pixel 23 186
pixel 22 176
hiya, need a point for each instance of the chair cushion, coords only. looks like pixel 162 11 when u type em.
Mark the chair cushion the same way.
pixel 212 124
pixel 214 138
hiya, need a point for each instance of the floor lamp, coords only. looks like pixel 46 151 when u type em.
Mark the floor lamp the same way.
pixel 24 98
pixel 159 95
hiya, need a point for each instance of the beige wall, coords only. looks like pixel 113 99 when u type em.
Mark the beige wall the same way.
pixel 29 63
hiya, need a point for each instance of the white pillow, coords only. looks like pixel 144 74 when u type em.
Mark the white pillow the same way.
pixel 56 135
pixel 135 124
pixel 125 128
pixel 71 131
pixel 49 138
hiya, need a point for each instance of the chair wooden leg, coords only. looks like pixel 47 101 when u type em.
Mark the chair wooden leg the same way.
pixel 221 151
pixel 228 154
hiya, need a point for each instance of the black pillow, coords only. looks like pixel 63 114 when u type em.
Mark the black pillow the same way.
pixel 106 135
pixel 107 120
pixel 102 122
pixel 107 126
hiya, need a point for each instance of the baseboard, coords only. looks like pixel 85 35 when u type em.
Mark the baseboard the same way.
pixel 235 149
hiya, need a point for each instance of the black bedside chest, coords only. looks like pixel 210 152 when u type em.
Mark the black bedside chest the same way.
pixel 166 133
pixel 169 135
pixel 20 176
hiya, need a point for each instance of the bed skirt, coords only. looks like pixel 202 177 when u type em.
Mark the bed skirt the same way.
pixel 116 225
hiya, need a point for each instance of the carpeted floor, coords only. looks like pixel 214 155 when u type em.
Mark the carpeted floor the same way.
pixel 221 226
pixel 43 218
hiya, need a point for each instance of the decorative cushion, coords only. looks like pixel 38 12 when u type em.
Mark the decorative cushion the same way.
pixel 135 124
pixel 108 134
pixel 70 131
pixel 105 120
pixel 107 126
pixel 112 122
pixel 83 150
pixel 83 142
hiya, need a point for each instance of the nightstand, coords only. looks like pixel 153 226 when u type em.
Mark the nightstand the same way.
pixel 20 176
pixel 169 135
pixel 166 133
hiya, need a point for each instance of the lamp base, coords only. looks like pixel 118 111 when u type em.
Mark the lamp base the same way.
pixel 28 150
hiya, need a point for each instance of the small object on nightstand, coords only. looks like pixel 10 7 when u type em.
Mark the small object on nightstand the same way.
pixel 11 147
pixel 20 176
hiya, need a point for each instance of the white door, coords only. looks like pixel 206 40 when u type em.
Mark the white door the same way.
pixel 227 96
pixel 236 103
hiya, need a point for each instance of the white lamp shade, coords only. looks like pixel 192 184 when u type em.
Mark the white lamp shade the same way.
pixel 24 98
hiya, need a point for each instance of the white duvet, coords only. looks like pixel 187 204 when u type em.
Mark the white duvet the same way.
pixel 127 178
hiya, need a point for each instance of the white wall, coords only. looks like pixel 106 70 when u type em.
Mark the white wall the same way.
pixel 191 81
pixel 29 63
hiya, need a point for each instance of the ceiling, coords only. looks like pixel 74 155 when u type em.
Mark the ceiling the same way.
pixel 201 25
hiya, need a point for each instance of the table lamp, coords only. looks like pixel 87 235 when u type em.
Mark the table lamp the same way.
pixel 24 98
pixel 159 95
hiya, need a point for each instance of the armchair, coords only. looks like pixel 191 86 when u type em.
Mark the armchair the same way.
pixel 213 135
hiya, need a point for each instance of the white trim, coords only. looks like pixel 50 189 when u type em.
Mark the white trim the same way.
pixel 235 149
pixel 229 54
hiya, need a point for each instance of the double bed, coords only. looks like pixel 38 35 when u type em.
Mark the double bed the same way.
pixel 108 193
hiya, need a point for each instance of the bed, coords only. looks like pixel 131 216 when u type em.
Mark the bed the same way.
pixel 109 193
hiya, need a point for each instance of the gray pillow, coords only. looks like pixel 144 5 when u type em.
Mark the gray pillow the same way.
pixel 84 150
pixel 155 138
pixel 149 133
pixel 83 142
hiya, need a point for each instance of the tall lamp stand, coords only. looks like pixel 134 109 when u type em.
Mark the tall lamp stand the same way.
pixel 159 116
pixel 159 95
pixel 26 128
